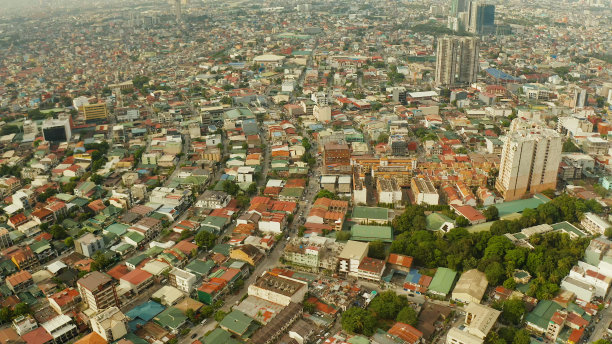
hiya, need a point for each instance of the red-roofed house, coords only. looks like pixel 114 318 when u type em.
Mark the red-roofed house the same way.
pixel 406 333
pixel 17 220
pixel 470 213
pixel 65 300
pixel 19 281
pixel 38 336
pixel 136 280
pixel 399 262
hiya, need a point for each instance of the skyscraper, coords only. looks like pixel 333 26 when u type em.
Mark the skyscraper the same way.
pixel 529 162
pixel 456 60
pixel 481 18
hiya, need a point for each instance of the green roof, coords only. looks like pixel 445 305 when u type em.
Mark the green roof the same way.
pixel 214 221
pixel 358 340
pixel 80 202
pixel 135 260
pixel 292 192
pixel 443 281
pixel 519 206
pixel 236 322
pixel 371 213
pixel 200 267
pixel 224 249
pixel 219 336
pixel 153 251
pixel 40 246
pixel 117 228
pixel 541 315
pixel 436 220
pixel 171 318
pixel 371 233
pixel 569 228
pixel 135 236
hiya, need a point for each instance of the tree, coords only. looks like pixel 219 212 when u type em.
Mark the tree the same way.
pixel 407 316
pixel 252 189
pixel 462 221
pixel 100 261
pixel 69 242
pixel 206 311
pixel 219 315
pixel 205 239
pixel 376 249
pixel 570 147
pixel 495 273
pixel 512 311
pixel 326 194
pixel 491 213
pixel 22 308
pixel 191 314
pixel 358 320
pixel 510 283
pixel 522 337
pixel 97 179
pixel 343 235
pixel 387 305
pixel 309 307
pixel 230 187
pixel 608 232
pixel 58 232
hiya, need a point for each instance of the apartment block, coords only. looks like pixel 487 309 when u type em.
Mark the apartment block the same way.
pixel 529 163
pixel 110 324
pixel 98 291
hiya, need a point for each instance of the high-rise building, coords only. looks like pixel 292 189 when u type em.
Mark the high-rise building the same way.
pixel 56 130
pixel 481 18
pixel 95 112
pixel 529 162
pixel 457 60
pixel 458 6
pixel 98 291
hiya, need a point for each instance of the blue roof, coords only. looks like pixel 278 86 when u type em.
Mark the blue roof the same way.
pixel 498 74
pixel 413 276
pixel 143 313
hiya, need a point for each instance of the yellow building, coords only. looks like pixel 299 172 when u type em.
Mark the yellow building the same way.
pixel 95 112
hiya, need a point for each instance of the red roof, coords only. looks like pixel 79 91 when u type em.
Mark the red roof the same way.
pixel 118 271
pixel 65 296
pixel 37 336
pixel 406 332
pixel 401 260
pixel 136 276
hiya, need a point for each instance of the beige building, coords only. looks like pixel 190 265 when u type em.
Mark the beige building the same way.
pixel 529 162
pixel 471 287
pixel 479 320
pixel 351 256
pixel 110 324
pixel 281 290
pixel 97 290
pixel 95 112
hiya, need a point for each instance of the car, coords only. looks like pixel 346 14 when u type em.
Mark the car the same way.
pixel 194 335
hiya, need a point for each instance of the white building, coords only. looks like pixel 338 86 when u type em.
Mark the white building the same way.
pixel 278 289
pixel 479 320
pixel 470 287
pixel 594 224
pixel 424 191
pixel 182 280
pixel 110 324
pixel 61 328
pixel 389 191
pixel 351 256
pixel 529 162
pixel 322 113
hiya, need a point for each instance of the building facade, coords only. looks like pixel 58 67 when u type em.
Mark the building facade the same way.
pixel 457 60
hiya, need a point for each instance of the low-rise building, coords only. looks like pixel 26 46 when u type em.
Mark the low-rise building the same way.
pixel 351 256
pixel 64 301
pixel 424 191
pixel 278 289
pixel 470 287
pixel 594 224
pixel 479 320
pixel 371 269
pixel 110 324
pixel 61 328
pixel 182 280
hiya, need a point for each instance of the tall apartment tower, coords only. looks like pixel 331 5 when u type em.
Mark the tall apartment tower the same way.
pixel 457 60
pixel 529 162
pixel 481 18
